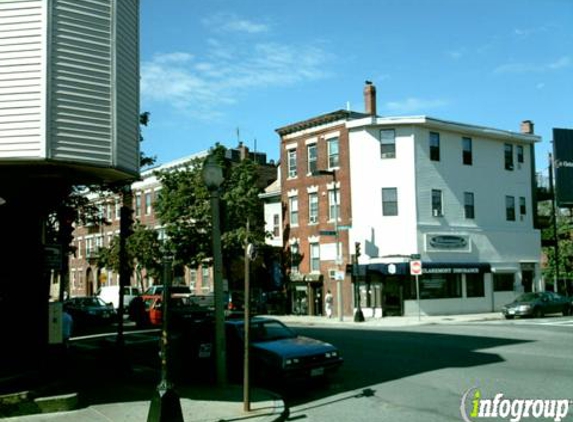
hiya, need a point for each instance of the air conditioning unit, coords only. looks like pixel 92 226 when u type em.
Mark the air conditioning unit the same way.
pixel 313 219
pixel 332 273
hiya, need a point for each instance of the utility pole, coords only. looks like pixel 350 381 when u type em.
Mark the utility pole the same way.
pixel 554 224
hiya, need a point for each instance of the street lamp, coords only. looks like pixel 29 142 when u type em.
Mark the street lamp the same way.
pixel 336 237
pixel 165 405
pixel 213 178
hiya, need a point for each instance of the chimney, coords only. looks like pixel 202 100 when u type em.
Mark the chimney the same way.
pixel 527 127
pixel 243 151
pixel 370 98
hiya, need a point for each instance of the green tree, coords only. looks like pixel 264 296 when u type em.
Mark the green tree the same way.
pixel 564 223
pixel 183 207
pixel 143 251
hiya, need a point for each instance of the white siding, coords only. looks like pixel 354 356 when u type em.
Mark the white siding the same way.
pixel 22 78
pixel 81 76
pixel 382 235
pixel 493 239
pixel 127 85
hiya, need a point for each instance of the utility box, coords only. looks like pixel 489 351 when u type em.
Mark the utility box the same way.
pixel 69 86
pixel 55 323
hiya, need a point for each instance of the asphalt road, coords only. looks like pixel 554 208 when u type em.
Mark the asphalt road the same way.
pixel 421 373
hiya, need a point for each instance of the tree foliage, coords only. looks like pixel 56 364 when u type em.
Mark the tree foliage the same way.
pixel 143 252
pixel 564 223
pixel 184 208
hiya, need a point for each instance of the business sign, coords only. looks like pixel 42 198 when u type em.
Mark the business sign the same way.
pixel 446 242
pixel 563 166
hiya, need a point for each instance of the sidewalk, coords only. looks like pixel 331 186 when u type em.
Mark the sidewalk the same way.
pixel 103 396
pixel 386 322
pixel 196 405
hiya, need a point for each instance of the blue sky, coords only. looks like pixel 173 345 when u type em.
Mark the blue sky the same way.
pixel 210 67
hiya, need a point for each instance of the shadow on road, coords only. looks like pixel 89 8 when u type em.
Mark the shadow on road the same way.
pixel 379 356
pixel 96 370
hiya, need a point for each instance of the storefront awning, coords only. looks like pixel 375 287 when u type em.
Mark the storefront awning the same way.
pixel 306 278
pixel 403 268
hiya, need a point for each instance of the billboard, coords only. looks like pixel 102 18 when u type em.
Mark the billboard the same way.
pixel 563 165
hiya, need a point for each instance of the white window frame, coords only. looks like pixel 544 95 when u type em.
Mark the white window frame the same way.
pixel 314 252
pixel 333 157
pixel 387 142
pixel 293 211
pixel 292 163
pixel 313 208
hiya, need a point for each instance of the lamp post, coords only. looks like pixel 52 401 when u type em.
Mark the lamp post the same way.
pixel 165 405
pixel 336 237
pixel 213 178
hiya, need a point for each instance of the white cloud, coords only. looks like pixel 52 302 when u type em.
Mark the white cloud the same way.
pixel 202 85
pixel 540 85
pixel 411 105
pixel 229 22
pixel 560 63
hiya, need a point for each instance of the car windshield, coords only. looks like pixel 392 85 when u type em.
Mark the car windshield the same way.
pixel 92 301
pixel 528 297
pixel 269 331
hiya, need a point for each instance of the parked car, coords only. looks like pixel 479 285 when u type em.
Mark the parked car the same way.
pixel 537 304
pixel 277 353
pixel 110 294
pixel 158 289
pixel 182 310
pixel 90 310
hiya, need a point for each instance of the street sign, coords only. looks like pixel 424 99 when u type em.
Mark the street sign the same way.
pixel 415 267
pixel 327 232
pixel 344 227
pixel 415 256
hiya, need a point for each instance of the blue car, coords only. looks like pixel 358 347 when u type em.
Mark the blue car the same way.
pixel 278 353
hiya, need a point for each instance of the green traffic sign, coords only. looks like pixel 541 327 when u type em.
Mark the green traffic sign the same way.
pixel 327 232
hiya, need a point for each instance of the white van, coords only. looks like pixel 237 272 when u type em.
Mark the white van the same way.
pixel 110 294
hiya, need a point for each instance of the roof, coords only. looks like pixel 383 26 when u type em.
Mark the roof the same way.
pixel 320 120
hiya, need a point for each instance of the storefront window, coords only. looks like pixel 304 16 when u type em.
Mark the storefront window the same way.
pixel 475 285
pixel 503 282
pixel 440 286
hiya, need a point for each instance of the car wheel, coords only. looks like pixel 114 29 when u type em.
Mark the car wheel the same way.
pixel 509 317
pixel 537 313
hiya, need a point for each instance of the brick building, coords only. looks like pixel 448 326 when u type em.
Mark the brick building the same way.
pixel 85 275
pixel 459 196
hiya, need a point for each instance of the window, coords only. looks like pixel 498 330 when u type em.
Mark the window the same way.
pixel 292 163
pixel 440 286
pixel 434 146
pixel 437 210
pixel 333 205
pixel 312 158
pixel 293 207
pixel 108 211
pixel 510 208
pixel 389 201
pixel 469 209
pixel 138 205
pixel 467 151
pixel 148 203
pixel 276 225
pixel 522 207
pixel 205 278
pixel 314 258
pixel 294 258
pixel 193 280
pixel 333 155
pixel 313 208
pixel 503 282
pixel 387 143
pixel 475 285
pixel 508 154
pixel 519 149
pixel 117 209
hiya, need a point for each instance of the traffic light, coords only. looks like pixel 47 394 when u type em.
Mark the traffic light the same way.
pixel 125 222
pixel 357 249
